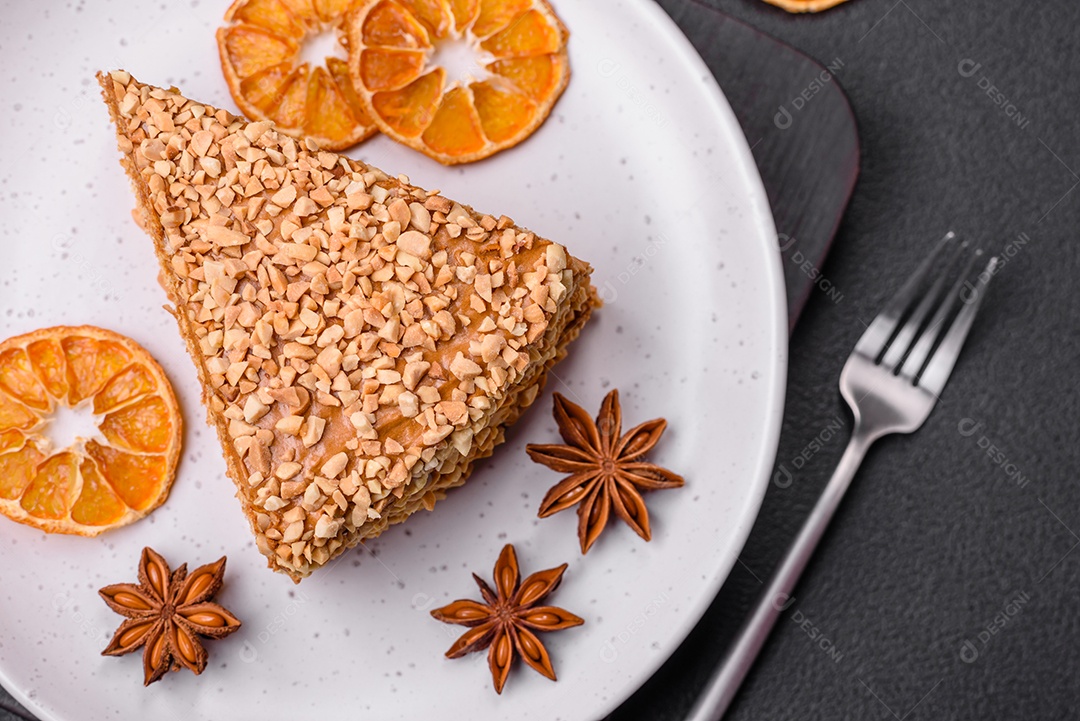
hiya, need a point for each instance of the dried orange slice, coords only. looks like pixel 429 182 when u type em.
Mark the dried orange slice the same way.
pixel 519 68
pixel 260 56
pixel 98 483
pixel 805 6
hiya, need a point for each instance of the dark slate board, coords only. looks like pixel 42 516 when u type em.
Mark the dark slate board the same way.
pixel 801 130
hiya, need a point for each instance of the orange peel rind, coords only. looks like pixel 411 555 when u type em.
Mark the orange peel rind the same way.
pixel 522 69
pixel 260 50
pixel 115 478
pixel 805 6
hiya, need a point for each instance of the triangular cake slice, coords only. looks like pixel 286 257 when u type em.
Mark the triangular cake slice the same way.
pixel 361 342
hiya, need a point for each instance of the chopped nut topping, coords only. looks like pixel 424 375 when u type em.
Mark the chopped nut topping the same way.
pixel 415 243
pixel 464 368
pixel 359 336
pixel 284 197
pixel 220 235
pixel 333 467
pixel 313 430
pixel 287 470
pixel 254 409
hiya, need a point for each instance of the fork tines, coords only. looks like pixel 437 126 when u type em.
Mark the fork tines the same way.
pixel 918 336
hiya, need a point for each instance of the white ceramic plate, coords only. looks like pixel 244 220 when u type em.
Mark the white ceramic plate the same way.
pixel 642 170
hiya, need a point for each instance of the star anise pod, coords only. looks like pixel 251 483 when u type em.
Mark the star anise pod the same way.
pixel 505 623
pixel 607 470
pixel 166 614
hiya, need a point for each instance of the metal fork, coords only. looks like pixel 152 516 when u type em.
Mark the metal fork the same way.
pixel 891 381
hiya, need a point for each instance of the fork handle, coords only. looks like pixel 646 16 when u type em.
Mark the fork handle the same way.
pixel 777 598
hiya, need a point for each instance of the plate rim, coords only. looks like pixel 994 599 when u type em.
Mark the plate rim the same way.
pixel 773 280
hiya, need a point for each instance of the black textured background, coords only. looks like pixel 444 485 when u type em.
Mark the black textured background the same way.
pixel 937 540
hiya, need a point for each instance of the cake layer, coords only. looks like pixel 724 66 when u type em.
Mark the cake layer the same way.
pixel 360 341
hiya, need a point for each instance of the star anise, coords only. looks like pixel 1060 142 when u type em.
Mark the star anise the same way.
pixel 166 614
pixel 505 622
pixel 606 469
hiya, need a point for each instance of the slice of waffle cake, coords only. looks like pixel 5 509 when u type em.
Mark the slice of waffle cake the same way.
pixel 361 342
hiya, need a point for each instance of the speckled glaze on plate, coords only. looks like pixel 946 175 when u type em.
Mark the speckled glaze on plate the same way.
pixel 641 170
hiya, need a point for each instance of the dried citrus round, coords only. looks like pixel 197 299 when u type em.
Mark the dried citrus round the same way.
pixel 260 54
pixel 805 6
pixel 519 68
pixel 111 479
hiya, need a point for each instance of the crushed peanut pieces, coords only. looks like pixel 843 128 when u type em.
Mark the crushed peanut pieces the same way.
pixel 361 341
